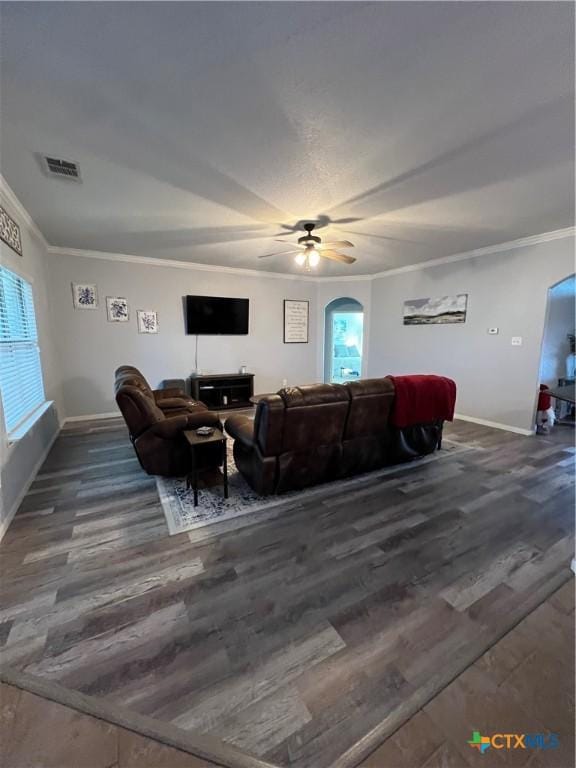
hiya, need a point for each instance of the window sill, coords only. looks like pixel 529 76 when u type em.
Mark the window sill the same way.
pixel 18 433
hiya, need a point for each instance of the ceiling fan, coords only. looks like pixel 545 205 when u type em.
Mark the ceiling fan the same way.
pixel 311 249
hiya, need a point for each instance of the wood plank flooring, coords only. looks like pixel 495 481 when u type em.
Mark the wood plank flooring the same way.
pixel 524 683
pixel 498 689
pixel 305 639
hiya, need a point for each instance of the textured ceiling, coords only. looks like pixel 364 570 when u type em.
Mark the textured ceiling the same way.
pixel 204 130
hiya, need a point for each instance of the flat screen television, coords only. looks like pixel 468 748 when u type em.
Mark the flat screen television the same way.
pixel 213 315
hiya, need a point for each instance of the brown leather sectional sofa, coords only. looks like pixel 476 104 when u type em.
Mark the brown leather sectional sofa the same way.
pixel 312 434
pixel 156 420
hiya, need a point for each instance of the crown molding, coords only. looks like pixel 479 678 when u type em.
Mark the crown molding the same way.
pixel 511 245
pixel 174 263
pixel 523 242
pixel 13 201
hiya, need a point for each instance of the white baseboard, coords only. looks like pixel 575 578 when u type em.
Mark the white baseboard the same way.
pixel 93 417
pixel 495 425
pixel 5 523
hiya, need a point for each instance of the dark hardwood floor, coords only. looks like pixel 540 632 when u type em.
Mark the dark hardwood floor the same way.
pixel 305 639
pixel 500 690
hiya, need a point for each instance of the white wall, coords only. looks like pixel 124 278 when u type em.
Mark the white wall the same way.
pixel 91 347
pixel 497 382
pixel 559 323
pixel 20 460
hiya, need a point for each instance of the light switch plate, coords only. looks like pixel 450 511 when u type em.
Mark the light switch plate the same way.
pixel 492 331
pixel 516 341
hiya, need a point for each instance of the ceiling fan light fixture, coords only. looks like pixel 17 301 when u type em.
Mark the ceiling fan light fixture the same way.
pixel 313 257
pixel 308 254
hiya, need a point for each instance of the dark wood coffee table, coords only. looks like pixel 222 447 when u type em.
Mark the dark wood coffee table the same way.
pixel 196 443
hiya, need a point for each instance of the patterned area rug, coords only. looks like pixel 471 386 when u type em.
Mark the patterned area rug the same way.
pixel 181 514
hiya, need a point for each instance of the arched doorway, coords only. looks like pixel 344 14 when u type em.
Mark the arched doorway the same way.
pixel 344 331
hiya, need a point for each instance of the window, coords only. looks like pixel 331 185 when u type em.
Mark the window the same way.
pixel 21 384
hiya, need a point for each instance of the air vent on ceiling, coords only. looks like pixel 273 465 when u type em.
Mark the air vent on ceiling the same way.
pixel 64 169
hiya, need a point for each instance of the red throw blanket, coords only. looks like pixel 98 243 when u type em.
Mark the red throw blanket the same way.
pixel 422 399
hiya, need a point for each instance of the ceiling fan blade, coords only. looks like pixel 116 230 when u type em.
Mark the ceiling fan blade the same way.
pixel 335 256
pixel 337 244
pixel 349 220
pixel 279 253
pixel 291 242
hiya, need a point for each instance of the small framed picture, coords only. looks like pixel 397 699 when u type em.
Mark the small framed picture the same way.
pixel 85 295
pixel 147 321
pixel 117 309
pixel 10 232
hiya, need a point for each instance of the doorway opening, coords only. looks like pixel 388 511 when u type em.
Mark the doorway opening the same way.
pixel 558 361
pixel 344 329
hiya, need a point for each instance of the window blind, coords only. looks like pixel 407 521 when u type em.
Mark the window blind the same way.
pixel 21 384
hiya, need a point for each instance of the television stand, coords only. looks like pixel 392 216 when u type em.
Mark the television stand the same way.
pixel 223 391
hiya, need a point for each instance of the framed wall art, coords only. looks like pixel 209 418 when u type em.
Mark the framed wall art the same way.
pixel 446 309
pixel 117 309
pixel 147 321
pixel 85 295
pixel 296 321
pixel 10 232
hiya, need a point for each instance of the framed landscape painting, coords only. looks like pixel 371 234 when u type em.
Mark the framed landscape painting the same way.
pixel 446 309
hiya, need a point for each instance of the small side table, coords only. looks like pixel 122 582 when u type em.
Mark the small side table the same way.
pixel 196 442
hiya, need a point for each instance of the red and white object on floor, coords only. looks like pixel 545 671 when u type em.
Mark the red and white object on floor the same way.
pixel 545 413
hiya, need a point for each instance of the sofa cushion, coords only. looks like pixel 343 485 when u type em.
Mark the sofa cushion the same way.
pixel 371 401
pixel 314 415
pixel 139 410
pixel 269 425
pixel 133 380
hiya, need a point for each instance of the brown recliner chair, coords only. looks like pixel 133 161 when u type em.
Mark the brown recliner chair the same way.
pixel 157 435
pixel 313 434
pixel 170 400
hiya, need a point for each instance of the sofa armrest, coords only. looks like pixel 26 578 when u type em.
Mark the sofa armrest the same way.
pixel 162 394
pixel 173 403
pixel 176 398
pixel 170 427
pixel 241 428
pixel 203 419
